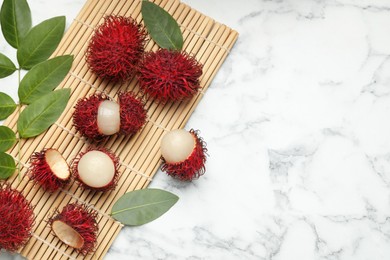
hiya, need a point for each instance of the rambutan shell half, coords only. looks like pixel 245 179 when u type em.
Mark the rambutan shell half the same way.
pixel 76 226
pixel 49 169
pixel 132 113
pixel 85 116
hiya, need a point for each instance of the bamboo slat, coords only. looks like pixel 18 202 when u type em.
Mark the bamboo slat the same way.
pixel 208 40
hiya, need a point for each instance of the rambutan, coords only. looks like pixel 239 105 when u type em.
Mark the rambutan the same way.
pixel 16 218
pixel 168 75
pixel 183 154
pixel 96 169
pixel 97 117
pixel 76 226
pixel 116 48
pixel 49 169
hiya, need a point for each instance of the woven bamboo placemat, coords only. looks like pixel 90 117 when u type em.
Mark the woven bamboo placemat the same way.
pixel 208 40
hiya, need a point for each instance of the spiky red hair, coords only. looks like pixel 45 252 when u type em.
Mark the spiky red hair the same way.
pixel 116 47
pixel 168 75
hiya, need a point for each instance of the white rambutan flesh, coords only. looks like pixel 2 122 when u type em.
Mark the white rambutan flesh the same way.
pixel 96 169
pixel 177 146
pixel 108 117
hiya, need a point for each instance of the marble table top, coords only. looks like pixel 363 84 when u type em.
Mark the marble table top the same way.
pixel 297 123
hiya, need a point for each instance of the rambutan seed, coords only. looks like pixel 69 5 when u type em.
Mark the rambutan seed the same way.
pixel 96 169
pixel 116 48
pixel 49 169
pixel 76 226
pixel 16 219
pixel 168 75
pixel 183 154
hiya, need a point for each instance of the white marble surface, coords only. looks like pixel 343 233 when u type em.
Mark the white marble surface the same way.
pixel 297 123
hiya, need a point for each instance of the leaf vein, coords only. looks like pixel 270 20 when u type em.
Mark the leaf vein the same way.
pixel 141 206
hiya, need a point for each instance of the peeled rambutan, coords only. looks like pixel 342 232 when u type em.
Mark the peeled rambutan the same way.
pixel 16 219
pixel 76 226
pixel 96 169
pixel 116 48
pixel 97 117
pixel 50 169
pixel 167 75
pixel 184 154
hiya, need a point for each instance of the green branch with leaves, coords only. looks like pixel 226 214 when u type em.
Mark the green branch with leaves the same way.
pixel 39 104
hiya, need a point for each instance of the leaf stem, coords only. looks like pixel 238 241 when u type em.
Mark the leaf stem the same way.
pixel 142 206
pixel 18 135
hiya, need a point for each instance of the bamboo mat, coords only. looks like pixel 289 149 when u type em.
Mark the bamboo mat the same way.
pixel 208 40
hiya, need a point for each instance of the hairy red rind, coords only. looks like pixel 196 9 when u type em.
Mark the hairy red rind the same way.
pixel 83 220
pixel 114 159
pixel 40 172
pixel 116 48
pixel 85 116
pixel 132 113
pixel 168 75
pixel 191 168
pixel 16 219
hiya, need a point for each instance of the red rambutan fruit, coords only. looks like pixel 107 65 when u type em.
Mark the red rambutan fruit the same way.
pixel 116 48
pixel 97 117
pixel 96 169
pixel 50 169
pixel 184 154
pixel 76 226
pixel 16 219
pixel 168 75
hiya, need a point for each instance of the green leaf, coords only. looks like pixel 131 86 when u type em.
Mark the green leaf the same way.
pixel 7 67
pixel 7 138
pixel 41 42
pixel 142 206
pixel 15 18
pixel 7 106
pixel 7 166
pixel 42 113
pixel 43 78
pixel 161 26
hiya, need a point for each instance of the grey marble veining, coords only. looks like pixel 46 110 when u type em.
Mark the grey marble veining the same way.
pixel 297 127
